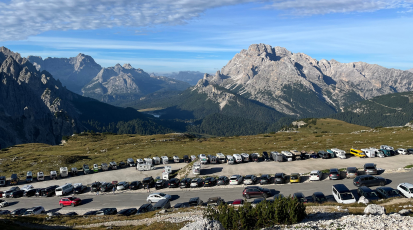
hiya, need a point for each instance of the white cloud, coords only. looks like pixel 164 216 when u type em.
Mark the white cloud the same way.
pixel 313 7
pixel 22 18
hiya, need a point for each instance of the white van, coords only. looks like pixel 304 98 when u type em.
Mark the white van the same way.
pixel 156 160
pixel 287 155
pixel 165 159
pixel 40 176
pixel 148 161
pixel 370 152
pixel 230 159
pixel 237 158
pixel 63 172
pixel 339 153
pixel 203 158
pixel 63 190
pixel 342 194
pixel 221 158
pixel 176 159
pixel 245 157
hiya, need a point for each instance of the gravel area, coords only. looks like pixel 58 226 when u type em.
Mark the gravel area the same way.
pixel 334 221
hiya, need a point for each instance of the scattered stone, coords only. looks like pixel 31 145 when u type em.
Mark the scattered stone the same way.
pixel 404 212
pixel 204 224
pixel 374 209
pixel 363 200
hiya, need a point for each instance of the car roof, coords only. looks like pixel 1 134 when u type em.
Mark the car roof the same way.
pixel 408 185
pixel 386 188
pixel 278 174
pixel 318 194
pixel 237 201
pixel 365 188
pixel 369 164
pixel 194 199
pixel 341 188
pixel 351 168
pixel 334 169
pixel 298 194
pixel 315 171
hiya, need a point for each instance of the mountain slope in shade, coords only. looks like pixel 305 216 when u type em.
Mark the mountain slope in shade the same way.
pixel 37 108
pixel 74 72
pixel 120 84
pixel 387 110
pixel 298 85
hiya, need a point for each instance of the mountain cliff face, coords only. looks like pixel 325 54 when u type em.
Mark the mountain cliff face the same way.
pixel 124 83
pixel 34 106
pixel 74 72
pixel 298 85
pixel 410 70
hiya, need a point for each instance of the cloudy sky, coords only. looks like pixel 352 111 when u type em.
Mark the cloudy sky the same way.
pixel 164 36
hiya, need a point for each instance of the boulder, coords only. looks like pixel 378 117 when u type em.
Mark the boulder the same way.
pixel 363 200
pixel 404 212
pixel 374 209
pixel 204 224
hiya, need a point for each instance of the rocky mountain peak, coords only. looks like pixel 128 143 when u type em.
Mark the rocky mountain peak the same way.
pixel 127 66
pixel 410 70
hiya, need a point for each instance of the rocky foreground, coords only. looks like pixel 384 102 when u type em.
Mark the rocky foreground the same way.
pixel 374 218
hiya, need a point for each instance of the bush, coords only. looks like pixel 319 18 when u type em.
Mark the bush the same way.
pixel 265 214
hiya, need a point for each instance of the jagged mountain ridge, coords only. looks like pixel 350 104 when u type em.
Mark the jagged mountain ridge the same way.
pixel 192 77
pixel 298 85
pixel 36 108
pixel 74 72
pixel 124 83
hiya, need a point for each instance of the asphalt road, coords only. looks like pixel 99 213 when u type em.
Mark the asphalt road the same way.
pixel 121 200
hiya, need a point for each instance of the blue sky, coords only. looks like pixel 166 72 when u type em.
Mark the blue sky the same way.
pixel 164 36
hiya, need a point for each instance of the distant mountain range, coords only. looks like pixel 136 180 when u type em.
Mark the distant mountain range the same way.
pixel 192 77
pixel 115 85
pixel 394 109
pixel 34 107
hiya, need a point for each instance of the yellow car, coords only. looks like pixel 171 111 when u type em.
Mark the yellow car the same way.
pixel 295 178
pixel 357 153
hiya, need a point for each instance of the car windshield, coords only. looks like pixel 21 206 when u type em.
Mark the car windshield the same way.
pixel 264 177
pixel 86 167
pixel 411 190
pixel 28 212
pixel 162 194
pixel 346 196
pixel 393 192
pixel 370 167
pixel 320 198
pixel 372 194
pixel 351 170
pixel 294 177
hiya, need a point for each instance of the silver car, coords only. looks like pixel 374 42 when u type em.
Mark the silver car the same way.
pixel 250 179
pixel 155 197
pixel 123 185
pixel 235 179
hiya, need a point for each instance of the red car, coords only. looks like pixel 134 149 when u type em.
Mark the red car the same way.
pixel 238 203
pixel 69 201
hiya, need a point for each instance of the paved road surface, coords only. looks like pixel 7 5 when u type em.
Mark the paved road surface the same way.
pixel 128 199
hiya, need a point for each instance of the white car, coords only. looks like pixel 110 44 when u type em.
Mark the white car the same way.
pixel 342 194
pixel 402 151
pixel 235 179
pixel 245 157
pixel 34 211
pixel 237 157
pixel 316 175
pixel 3 203
pixel 155 197
pixel 406 189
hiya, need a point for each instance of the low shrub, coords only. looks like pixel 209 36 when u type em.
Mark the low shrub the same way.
pixel 265 214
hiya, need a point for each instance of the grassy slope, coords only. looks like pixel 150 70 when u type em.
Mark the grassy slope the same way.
pixel 86 149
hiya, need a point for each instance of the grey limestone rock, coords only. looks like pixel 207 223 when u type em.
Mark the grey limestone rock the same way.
pixel 283 80
pixel 374 209
pixel 204 224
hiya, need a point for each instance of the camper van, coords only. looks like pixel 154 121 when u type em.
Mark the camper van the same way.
pixel 104 167
pixel 95 168
pixel 339 153
pixel 156 160
pixel 29 177
pixel 73 171
pixel 148 161
pixel 14 179
pixel 203 158
pixel 63 172
pixel 145 167
pixel 196 169
pixel 193 158
pixel 40 176
pixel 168 169
pixel 276 156
pixel 220 158
pixel 63 190
pixel 230 159
pixel 370 152
pixel 237 158
pixel 53 175
pixel 176 159
pixel 287 155
pixel 357 153
pixel 296 154
pixel 165 159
